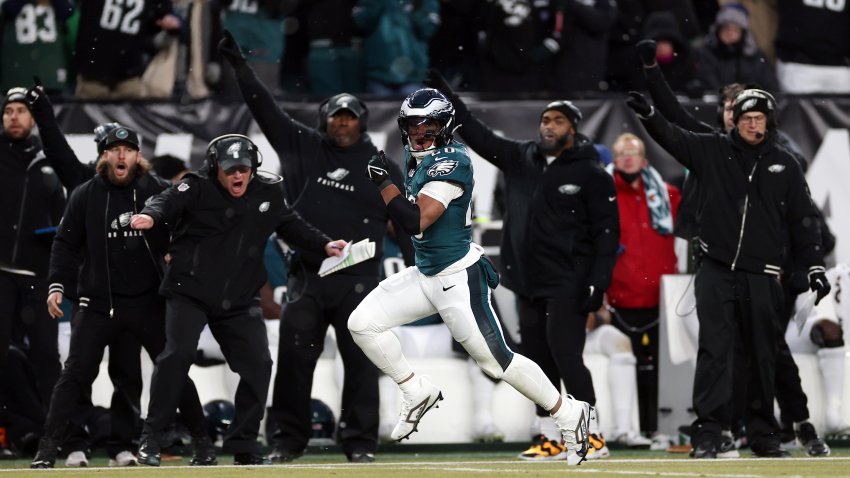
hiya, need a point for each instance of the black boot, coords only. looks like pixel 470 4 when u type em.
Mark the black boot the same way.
pixel 204 451
pixel 250 459
pixel 149 451
pixel 46 455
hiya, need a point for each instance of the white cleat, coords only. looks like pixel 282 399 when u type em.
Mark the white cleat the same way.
pixel 76 459
pixel 413 408
pixel 125 458
pixel 573 419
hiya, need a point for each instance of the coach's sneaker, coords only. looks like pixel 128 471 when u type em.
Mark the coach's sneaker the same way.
pixel 597 447
pixel 77 459
pixel 727 448
pixel 46 455
pixel 810 441
pixel 414 405
pixel 572 419
pixel 633 439
pixel 125 458
pixel 544 449
pixel 486 432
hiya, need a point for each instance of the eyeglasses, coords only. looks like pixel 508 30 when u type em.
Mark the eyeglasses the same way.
pixel 237 169
pixel 756 119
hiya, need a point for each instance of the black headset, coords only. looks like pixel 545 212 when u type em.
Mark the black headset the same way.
pixel 214 150
pixel 323 113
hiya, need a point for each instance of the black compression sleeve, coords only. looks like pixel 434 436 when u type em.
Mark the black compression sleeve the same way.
pixel 405 214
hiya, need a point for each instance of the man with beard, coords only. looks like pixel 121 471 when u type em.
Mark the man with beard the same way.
pixel 117 285
pixel 31 204
pixel 524 164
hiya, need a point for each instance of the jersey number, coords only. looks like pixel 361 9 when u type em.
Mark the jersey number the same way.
pixel 244 6
pixel 834 5
pixel 122 15
pixel 35 23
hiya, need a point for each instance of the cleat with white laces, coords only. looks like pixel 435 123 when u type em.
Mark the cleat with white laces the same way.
pixel 413 408
pixel 573 418
pixel 544 449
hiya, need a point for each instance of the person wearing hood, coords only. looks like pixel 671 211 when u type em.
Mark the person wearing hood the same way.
pixel 760 209
pixel 323 183
pixel 524 164
pixel 737 57
pixel 689 70
pixel 32 201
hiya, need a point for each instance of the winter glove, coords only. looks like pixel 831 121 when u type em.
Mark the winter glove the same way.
pixel 819 284
pixel 646 51
pixel 36 91
pixel 378 170
pixel 434 79
pixel 593 301
pixel 229 49
pixel 637 102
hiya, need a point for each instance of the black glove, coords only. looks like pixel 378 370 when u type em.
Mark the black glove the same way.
pixel 593 301
pixel 819 284
pixel 637 102
pixel 229 49
pixel 378 170
pixel 36 91
pixel 646 51
pixel 434 79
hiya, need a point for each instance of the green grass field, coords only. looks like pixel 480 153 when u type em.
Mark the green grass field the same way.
pixel 470 463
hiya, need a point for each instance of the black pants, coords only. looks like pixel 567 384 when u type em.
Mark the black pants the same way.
pixel 324 302
pixel 241 333
pixel 641 325
pixel 732 306
pixel 91 333
pixel 23 314
pixel 553 335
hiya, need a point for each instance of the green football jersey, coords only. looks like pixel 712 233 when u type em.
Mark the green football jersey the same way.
pixel 32 43
pixel 447 240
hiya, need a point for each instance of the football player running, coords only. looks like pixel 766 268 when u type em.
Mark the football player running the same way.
pixel 451 276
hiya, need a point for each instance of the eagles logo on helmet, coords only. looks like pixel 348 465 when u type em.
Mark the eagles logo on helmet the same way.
pixel 428 103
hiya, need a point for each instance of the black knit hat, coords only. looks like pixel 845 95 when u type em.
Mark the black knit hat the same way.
pixel 568 109
pixel 16 95
pixel 753 99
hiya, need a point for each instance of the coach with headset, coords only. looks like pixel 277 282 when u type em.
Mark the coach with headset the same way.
pixel 760 209
pixel 323 173
pixel 220 218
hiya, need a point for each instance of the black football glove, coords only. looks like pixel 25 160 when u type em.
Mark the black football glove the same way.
pixel 593 300
pixel 819 284
pixel 646 51
pixel 229 49
pixel 378 170
pixel 36 91
pixel 637 102
pixel 434 79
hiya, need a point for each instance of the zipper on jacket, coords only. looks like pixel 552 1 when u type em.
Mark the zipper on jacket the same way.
pixel 744 216
pixel 20 221
pixel 106 254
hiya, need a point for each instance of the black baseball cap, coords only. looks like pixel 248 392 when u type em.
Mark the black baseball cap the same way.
pixel 122 134
pixel 345 101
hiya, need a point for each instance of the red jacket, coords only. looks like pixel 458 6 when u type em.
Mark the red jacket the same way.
pixel 644 253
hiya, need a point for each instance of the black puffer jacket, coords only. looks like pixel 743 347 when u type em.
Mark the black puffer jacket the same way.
pixel 31 204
